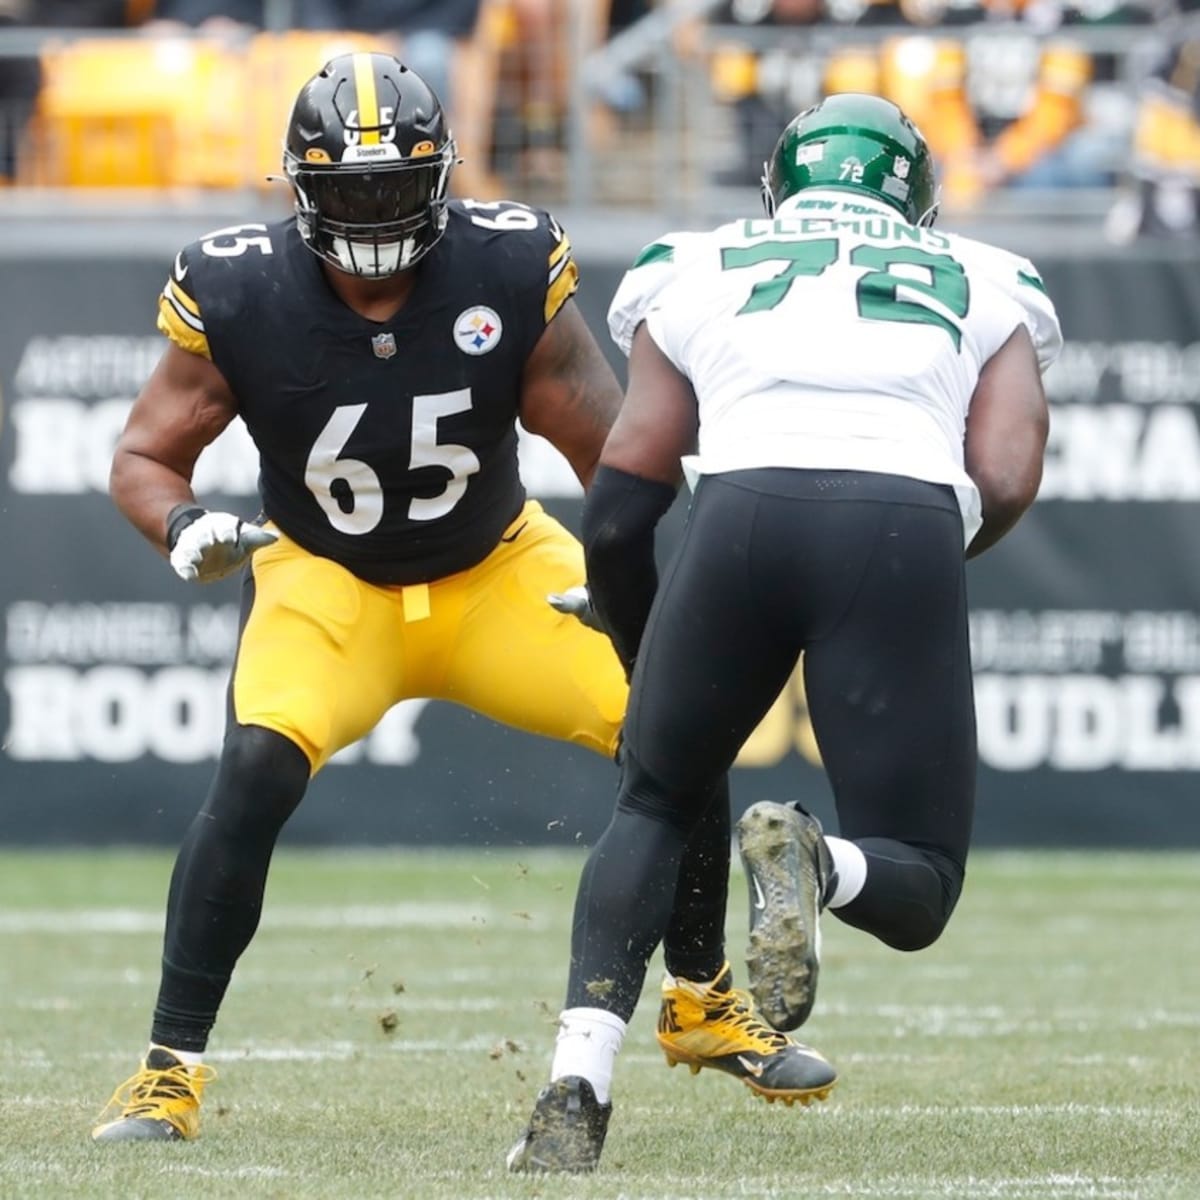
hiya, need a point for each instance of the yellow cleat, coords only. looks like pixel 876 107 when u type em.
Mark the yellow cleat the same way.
pixel 716 1026
pixel 160 1103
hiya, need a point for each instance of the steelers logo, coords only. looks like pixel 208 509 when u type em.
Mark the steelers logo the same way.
pixel 478 330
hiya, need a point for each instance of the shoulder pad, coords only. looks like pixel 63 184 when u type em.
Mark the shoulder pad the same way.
pixel 656 265
pixel 178 310
pixel 213 269
pixel 562 272
pixel 550 263
pixel 1018 279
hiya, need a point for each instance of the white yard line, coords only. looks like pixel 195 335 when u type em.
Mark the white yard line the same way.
pixel 415 915
pixel 1078 1187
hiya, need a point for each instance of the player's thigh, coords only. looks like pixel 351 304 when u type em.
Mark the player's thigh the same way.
pixel 889 689
pixel 520 661
pixel 314 661
pixel 709 667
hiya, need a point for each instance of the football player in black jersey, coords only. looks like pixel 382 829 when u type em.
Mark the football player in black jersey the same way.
pixel 380 348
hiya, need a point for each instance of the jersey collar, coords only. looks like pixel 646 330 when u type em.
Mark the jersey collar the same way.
pixel 839 196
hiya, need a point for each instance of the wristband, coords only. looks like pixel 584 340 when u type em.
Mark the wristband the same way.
pixel 179 518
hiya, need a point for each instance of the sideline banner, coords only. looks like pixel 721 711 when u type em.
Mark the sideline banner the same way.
pixel 1085 633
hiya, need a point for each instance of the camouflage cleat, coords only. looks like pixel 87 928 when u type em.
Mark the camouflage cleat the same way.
pixel 715 1026
pixel 566 1131
pixel 161 1103
pixel 789 872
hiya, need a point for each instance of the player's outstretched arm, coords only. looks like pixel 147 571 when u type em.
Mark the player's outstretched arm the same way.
pixel 635 484
pixel 183 406
pixel 569 393
pixel 1007 426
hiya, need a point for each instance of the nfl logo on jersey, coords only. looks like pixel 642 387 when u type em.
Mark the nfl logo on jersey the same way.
pixel 384 345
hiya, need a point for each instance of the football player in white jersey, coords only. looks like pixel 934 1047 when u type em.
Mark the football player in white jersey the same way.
pixel 856 401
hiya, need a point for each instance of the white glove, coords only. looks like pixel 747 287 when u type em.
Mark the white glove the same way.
pixel 576 602
pixel 215 545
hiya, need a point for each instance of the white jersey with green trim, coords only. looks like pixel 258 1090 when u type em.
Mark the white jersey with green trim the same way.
pixel 835 335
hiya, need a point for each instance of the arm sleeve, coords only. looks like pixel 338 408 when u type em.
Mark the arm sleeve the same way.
pixel 620 514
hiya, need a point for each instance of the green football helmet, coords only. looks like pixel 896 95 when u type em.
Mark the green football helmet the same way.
pixel 858 142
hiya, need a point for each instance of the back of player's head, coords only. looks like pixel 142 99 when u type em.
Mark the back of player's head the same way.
pixel 859 143
pixel 368 153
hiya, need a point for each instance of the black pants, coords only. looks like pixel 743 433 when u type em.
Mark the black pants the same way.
pixel 864 574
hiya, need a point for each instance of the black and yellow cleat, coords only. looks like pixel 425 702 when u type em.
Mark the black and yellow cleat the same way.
pixel 716 1026
pixel 790 874
pixel 566 1131
pixel 160 1103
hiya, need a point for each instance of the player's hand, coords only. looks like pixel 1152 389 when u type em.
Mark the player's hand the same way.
pixel 576 602
pixel 216 544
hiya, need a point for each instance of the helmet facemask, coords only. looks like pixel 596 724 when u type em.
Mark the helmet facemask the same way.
pixel 374 221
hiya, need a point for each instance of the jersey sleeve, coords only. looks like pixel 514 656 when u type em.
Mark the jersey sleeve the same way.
pixel 1017 279
pixel 179 315
pixel 533 254
pixel 1026 287
pixel 562 272
pixel 652 271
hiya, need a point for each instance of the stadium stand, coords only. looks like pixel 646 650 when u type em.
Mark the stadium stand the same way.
pixel 1162 197
pixel 666 107
pixel 1022 95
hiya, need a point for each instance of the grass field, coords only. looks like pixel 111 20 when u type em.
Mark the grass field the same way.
pixel 388 1029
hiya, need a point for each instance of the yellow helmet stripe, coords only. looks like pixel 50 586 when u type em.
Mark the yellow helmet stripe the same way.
pixel 368 104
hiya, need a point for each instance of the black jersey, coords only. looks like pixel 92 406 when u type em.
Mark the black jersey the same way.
pixel 389 447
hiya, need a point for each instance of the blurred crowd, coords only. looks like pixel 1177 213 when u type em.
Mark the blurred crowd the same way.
pixel 1011 94
pixel 87 109
pixel 1018 94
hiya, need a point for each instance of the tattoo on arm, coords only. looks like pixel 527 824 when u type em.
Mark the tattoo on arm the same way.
pixel 569 384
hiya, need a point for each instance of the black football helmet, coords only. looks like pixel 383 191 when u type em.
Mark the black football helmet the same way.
pixel 368 154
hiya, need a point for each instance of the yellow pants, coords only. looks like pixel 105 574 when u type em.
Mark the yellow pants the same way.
pixel 324 655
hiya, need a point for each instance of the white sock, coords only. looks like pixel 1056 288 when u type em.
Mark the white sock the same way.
pixel 588 1042
pixel 851 866
pixel 189 1058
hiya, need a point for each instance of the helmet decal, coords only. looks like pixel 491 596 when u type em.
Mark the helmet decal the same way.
pixel 851 169
pixel 366 116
